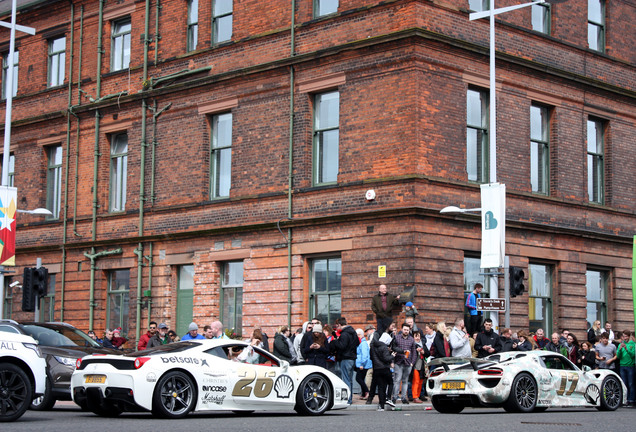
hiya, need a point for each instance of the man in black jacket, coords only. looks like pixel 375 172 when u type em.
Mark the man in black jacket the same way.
pixel 345 347
pixel 487 342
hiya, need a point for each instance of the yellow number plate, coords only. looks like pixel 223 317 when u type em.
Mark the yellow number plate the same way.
pixel 95 379
pixel 453 385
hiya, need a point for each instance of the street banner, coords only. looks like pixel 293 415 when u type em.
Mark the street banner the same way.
pixel 493 225
pixel 8 199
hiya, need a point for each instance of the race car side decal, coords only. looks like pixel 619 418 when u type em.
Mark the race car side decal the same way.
pixel 573 377
pixel 262 387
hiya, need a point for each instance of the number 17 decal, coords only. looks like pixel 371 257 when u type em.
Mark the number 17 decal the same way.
pixel 565 377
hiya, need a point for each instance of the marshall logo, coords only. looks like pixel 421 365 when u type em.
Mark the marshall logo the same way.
pixel 175 359
pixel 7 346
pixel 214 388
pixel 215 399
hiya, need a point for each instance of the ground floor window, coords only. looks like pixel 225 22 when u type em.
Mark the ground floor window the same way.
pixel 232 296
pixel 540 298
pixel 596 284
pixel 47 303
pixel 118 300
pixel 326 289
pixel 473 274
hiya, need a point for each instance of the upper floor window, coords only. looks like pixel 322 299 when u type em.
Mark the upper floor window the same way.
pixel 326 137
pixel 595 164
pixel 221 156
pixel 479 5
pixel 221 20
pixel 325 7
pixel 11 173
pixel 541 17
pixel 57 61
pixel 596 24
pixel 477 135
pixel 5 68
pixel 54 181
pixel 118 172
pixel 539 149
pixel 120 49
pixel 193 24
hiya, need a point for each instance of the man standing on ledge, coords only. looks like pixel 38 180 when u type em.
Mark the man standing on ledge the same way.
pixel 382 306
pixel 474 325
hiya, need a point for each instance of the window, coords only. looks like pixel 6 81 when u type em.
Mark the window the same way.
pixel 479 5
pixel 193 24
pixel 118 172
pixel 185 297
pixel 596 25
pixel 232 296
pixel 118 299
pixel 221 20
pixel 325 300
pixel 57 61
pixel 539 149
pixel 540 297
pixel 54 181
pixel 595 170
pixel 11 173
pixel 5 68
pixel 477 136
pixel 596 285
pixel 47 303
pixel 221 156
pixel 7 303
pixel 472 275
pixel 325 7
pixel 326 137
pixel 541 18
pixel 120 49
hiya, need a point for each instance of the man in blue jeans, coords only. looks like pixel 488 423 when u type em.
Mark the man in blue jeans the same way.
pixel 626 354
pixel 345 347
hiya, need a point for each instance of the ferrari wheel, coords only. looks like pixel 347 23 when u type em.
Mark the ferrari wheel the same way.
pixel 175 396
pixel 446 406
pixel 314 395
pixel 611 394
pixel 523 394
pixel 15 392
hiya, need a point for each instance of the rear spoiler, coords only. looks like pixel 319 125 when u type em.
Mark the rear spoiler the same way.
pixel 446 362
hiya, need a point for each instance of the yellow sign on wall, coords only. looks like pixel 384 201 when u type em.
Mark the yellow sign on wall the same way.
pixel 382 271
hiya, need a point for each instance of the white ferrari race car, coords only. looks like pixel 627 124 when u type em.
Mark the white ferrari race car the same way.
pixel 206 375
pixel 521 382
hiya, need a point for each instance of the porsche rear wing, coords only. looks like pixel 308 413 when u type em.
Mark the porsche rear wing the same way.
pixel 447 362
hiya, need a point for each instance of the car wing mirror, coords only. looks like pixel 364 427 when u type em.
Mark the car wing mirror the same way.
pixel 284 365
pixel 586 369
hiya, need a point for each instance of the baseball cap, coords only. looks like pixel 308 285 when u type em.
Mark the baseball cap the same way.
pixel 163 326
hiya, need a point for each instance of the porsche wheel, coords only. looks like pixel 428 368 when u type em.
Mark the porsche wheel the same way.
pixel 15 392
pixel 523 394
pixel 611 394
pixel 447 406
pixel 175 396
pixel 314 395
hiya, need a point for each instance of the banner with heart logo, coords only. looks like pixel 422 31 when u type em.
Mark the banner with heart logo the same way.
pixel 493 225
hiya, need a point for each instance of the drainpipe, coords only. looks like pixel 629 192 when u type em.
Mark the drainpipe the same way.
pixel 100 48
pixel 79 102
pixel 290 176
pixel 157 36
pixel 95 173
pixel 146 40
pixel 150 263
pixel 93 257
pixel 68 158
pixel 154 148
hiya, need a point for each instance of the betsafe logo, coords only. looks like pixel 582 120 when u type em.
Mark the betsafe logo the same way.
pixel 490 221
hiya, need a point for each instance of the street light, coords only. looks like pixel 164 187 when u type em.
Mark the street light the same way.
pixel 37 211
pixel 454 209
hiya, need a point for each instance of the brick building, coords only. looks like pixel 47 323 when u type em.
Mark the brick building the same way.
pixel 210 159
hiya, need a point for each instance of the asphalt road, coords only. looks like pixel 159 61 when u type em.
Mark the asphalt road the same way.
pixel 66 418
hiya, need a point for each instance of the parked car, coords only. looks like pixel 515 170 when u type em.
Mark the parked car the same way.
pixel 203 375
pixel 62 344
pixel 521 382
pixel 22 374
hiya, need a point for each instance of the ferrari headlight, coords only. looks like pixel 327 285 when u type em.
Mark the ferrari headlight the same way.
pixel 67 361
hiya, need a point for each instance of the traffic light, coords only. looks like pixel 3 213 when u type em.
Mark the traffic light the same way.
pixel 40 281
pixel 516 281
pixel 28 296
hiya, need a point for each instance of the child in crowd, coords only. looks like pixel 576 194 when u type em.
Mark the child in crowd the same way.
pixel 410 310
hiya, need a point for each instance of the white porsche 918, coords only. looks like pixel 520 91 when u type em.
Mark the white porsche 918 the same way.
pixel 203 375
pixel 521 382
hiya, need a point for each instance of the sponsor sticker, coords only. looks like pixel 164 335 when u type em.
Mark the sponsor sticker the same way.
pixel 177 359
pixel 206 388
pixel 208 398
pixel 151 377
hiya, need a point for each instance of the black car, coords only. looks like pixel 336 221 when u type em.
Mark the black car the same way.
pixel 62 345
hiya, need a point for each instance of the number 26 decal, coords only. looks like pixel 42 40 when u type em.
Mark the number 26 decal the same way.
pixel 262 387
pixel 565 377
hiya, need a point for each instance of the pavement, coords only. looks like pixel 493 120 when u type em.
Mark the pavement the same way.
pixel 360 404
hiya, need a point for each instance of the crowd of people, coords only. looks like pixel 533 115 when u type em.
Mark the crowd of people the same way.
pixel 392 362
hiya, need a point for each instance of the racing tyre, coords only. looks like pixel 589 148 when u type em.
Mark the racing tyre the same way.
pixel 314 395
pixel 611 394
pixel 44 402
pixel 16 392
pixel 447 406
pixel 523 394
pixel 175 396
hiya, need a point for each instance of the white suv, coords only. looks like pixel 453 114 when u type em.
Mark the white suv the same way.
pixel 22 374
